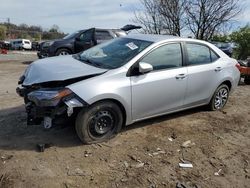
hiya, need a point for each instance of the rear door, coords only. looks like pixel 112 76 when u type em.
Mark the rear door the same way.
pixel 204 72
pixel 162 89
pixel 85 40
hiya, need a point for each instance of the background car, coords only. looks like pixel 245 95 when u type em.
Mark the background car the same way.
pixel 5 45
pixel 78 41
pixel 245 70
pixel 226 47
pixel 21 44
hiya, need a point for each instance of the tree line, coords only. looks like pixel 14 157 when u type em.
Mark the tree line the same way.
pixel 201 18
pixel 35 33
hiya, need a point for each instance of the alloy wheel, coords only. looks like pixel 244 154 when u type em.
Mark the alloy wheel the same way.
pixel 221 98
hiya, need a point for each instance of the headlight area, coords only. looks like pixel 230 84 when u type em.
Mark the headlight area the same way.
pixel 46 105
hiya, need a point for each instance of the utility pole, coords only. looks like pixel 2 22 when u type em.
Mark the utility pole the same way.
pixel 8 27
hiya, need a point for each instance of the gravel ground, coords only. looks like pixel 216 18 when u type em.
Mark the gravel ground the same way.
pixel 145 154
pixel 18 56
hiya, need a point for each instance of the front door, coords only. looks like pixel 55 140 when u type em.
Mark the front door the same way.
pixel 85 40
pixel 162 89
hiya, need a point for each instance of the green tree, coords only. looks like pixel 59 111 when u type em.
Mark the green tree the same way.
pixel 242 38
pixel 220 38
pixel 3 30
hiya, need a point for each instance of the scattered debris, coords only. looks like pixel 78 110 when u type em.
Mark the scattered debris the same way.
pixel 126 164
pixel 42 147
pixel 218 173
pixel 180 185
pixel 185 165
pixel 139 165
pixel 6 157
pixel 4 180
pixel 224 112
pixel 173 136
pixel 187 144
pixel 158 151
pixel 186 185
pixel 133 157
pixel 170 139
pixel 76 172
pixel 103 144
pixel 87 153
pixel 124 180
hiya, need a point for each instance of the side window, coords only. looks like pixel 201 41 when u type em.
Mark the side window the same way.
pixel 86 36
pixel 200 54
pixel 164 57
pixel 214 56
pixel 103 36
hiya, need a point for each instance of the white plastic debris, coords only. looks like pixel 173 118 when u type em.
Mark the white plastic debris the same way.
pixel 187 144
pixel 218 173
pixel 185 165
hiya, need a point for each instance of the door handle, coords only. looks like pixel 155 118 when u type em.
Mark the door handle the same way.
pixel 217 69
pixel 180 76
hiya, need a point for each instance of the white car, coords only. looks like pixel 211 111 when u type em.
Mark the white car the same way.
pixel 21 44
pixel 126 80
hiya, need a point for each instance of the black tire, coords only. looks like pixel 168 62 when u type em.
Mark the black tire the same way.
pixel 247 81
pixel 219 98
pixel 99 122
pixel 63 51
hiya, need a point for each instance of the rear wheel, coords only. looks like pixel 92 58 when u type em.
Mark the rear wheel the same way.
pixel 63 51
pixel 99 122
pixel 219 98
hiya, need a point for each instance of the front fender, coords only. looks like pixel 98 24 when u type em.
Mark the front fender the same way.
pixel 107 86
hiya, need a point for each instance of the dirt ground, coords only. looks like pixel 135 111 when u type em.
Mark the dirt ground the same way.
pixel 146 154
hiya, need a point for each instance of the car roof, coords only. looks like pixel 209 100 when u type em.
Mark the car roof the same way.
pixel 151 37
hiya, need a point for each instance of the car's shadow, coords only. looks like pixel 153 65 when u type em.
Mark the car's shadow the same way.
pixel 16 135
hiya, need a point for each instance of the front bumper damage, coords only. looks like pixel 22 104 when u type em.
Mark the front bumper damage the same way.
pixel 49 105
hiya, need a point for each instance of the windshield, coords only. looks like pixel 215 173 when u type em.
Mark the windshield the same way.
pixel 72 35
pixel 114 53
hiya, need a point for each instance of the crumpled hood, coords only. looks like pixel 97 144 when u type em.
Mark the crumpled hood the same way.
pixel 58 69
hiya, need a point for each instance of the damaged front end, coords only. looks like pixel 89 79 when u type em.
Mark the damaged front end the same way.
pixel 47 105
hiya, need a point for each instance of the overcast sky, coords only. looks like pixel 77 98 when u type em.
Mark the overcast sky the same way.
pixel 72 15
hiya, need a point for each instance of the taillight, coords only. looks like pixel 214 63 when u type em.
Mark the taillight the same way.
pixel 238 66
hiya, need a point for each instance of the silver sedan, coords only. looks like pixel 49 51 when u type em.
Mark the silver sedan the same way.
pixel 126 80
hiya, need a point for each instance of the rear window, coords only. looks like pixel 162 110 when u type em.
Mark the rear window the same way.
pixel 103 35
pixel 200 54
pixel 26 42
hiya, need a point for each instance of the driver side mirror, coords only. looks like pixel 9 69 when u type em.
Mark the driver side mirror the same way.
pixel 145 67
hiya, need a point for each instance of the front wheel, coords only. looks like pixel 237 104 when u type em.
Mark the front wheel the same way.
pixel 99 122
pixel 62 52
pixel 219 98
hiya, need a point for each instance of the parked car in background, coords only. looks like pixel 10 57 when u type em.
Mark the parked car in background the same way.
pixel 5 45
pixel 35 46
pixel 226 47
pixel 245 70
pixel 21 44
pixel 81 40
pixel 126 80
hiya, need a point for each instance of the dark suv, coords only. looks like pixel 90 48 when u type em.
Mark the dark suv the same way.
pixel 225 47
pixel 77 42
